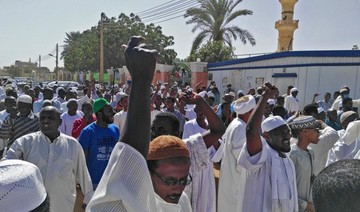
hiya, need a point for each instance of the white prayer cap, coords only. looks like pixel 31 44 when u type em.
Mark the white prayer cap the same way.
pixel 202 94
pixel 271 101
pixel 162 87
pixel 244 104
pixel 320 109
pixel 210 94
pixel 346 115
pixel 271 123
pixel 21 186
pixel 25 99
pixel 293 90
pixel 120 95
pixel 232 94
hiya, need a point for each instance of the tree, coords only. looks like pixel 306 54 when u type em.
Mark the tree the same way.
pixel 82 50
pixel 213 19
pixel 213 51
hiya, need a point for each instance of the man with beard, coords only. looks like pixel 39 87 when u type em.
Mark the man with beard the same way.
pixel 270 179
pixel 98 139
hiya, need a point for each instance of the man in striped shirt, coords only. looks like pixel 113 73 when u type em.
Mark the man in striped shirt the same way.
pixel 24 122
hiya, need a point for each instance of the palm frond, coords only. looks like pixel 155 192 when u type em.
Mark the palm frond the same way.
pixel 198 40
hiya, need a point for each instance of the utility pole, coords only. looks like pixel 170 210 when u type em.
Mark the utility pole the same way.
pixel 39 60
pixel 57 61
pixel 101 74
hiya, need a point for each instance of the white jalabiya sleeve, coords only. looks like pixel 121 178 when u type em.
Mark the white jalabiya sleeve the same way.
pixel 81 172
pixel 352 132
pixel 126 183
pixel 216 154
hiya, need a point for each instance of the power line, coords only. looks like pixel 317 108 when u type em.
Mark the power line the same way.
pixel 168 8
pixel 159 7
pixel 168 19
pixel 170 12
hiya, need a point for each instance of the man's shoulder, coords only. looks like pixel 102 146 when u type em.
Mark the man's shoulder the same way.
pixel 90 127
pixel 68 138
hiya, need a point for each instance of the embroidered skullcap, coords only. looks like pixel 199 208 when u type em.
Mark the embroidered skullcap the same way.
pixel 293 90
pixel 271 101
pixel 320 109
pixel 271 123
pixel 167 146
pixel 21 186
pixel 210 94
pixel 244 104
pixel 303 122
pixel 99 104
pixel 25 99
pixel 346 115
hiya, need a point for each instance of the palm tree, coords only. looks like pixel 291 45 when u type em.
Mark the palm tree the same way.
pixel 213 19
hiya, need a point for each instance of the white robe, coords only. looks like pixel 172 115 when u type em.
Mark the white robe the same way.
pixel 119 120
pixel 270 181
pixel 327 139
pixel 341 150
pixel 231 181
pixel 61 163
pixel 201 191
pixel 303 162
pixel 67 123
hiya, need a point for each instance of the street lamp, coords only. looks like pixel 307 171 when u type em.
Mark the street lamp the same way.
pixel 56 60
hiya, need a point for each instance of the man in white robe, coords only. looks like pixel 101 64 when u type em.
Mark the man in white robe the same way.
pixel 202 190
pixel 341 150
pixel 231 181
pixel 59 157
pixel 270 179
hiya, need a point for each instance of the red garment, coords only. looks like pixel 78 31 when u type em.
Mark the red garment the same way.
pixel 79 125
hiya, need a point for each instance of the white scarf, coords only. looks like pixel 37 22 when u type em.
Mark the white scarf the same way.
pixel 280 188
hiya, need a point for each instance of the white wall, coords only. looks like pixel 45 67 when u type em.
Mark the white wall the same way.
pixel 309 80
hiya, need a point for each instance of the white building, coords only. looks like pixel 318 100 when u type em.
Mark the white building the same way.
pixel 310 71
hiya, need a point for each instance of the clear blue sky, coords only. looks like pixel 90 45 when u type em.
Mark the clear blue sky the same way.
pixel 31 28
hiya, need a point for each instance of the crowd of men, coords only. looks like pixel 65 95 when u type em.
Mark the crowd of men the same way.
pixel 153 147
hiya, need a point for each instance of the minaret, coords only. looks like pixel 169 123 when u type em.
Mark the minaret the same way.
pixel 286 26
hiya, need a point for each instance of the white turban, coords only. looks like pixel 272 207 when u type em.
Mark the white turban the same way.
pixel 244 104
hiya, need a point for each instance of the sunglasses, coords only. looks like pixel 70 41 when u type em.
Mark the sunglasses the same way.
pixel 170 181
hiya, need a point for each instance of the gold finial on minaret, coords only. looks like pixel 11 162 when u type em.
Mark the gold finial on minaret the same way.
pixel 286 26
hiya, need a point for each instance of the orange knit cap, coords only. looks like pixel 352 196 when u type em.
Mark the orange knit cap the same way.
pixel 167 146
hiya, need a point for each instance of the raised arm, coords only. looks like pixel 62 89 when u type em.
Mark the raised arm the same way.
pixel 141 65
pixel 216 126
pixel 253 140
